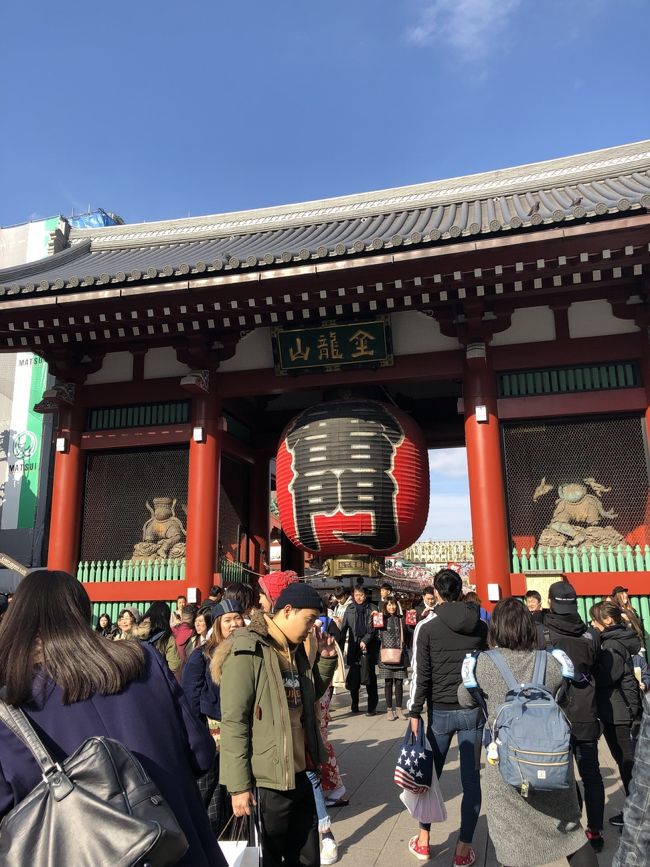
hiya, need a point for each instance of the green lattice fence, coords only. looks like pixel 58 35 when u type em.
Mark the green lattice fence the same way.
pixel 568 380
pixel 614 558
pixel 92 571
pixel 113 608
pixel 233 570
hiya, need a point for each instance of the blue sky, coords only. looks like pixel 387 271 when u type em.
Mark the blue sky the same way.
pixel 158 110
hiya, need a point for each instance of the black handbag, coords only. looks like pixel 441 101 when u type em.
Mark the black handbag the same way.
pixel 364 669
pixel 99 807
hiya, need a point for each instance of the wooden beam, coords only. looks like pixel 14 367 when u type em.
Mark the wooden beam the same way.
pixel 434 365
pixel 555 353
pixel 574 404
pixel 148 437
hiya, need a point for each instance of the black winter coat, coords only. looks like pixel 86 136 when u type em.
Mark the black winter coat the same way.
pixel 618 696
pixel 369 637
pixel 570 634
pixel 443 641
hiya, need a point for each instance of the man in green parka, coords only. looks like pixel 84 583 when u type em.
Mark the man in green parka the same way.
pixel 271 674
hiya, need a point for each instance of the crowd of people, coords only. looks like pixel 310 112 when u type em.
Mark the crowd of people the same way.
pixel 241 689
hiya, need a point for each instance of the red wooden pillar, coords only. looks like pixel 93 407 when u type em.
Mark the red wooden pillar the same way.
pixel 65 512
pixel 486 480
pixel 259 513
pixel 203 492
pixel 645 372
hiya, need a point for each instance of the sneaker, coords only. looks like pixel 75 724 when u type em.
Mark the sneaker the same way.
pixel 465 860
pixel 617 820
pixel 420 852
pixel 329 851
pixel 596 840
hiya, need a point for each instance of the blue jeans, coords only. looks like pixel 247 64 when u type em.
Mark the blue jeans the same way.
pixel 468 726
pixel 324 821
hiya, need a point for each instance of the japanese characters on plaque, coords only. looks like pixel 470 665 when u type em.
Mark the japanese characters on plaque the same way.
pixel 333 346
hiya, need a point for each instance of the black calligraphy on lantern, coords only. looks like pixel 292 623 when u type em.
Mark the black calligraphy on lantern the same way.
pixel 343 462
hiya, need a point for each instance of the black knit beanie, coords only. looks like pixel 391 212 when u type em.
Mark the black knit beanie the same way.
pixel 299 596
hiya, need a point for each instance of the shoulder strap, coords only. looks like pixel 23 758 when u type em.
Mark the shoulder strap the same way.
pixel 504 668
pixel 547 637
pixel 17 722
pixel 539 672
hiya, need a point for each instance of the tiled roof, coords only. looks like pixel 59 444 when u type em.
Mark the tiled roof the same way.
pixel 586 186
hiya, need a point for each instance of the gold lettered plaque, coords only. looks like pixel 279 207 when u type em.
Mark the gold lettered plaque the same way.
pixel 541 581
pixel 333 346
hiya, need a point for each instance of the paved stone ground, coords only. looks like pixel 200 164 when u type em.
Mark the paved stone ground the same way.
pixel 375 828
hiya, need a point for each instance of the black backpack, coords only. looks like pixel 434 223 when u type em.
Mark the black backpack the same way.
pixel 98 808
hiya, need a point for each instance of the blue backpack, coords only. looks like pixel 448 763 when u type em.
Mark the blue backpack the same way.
pixel 530 735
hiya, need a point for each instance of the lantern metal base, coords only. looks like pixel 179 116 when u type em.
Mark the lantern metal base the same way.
pixel 353 565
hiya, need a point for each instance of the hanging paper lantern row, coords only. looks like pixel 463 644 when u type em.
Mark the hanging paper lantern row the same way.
pixel 352 477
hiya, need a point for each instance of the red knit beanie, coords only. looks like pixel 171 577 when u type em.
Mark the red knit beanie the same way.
pixel 274 583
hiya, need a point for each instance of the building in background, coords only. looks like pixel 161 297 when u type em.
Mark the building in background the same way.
pixel 506 312
pixel 25 435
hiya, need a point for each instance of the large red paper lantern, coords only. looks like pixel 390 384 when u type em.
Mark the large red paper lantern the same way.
pixel 352 477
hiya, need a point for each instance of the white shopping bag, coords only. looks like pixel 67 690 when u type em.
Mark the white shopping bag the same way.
pixel 428 807
pixel 242 852
pixel 238 853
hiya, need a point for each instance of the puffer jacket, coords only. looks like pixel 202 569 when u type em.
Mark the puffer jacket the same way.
pixel 453 630
pixel 256 747
pixel 618 697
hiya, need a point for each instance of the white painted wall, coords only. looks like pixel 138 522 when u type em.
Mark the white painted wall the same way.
pixel 595 319
pixel 117 367
pixel 254 352
pixel 162 362
pixel 528 325
pixel 415 332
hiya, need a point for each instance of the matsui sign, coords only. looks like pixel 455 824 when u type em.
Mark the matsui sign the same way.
pixel 352 477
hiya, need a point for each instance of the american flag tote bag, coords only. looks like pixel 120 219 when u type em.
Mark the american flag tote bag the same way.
pixel 414 768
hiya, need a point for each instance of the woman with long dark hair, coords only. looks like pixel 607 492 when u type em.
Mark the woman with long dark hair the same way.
pixel 392 658
pixel 72 684
pixel 204 697
pixel 104 626
pixel 545 826
pixel 618 696
pixel 155 630
pixel 202 626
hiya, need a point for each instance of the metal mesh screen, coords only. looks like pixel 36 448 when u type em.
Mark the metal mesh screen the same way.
pixel 580 483
pixel 118 486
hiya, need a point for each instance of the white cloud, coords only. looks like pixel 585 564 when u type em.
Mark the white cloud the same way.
pixel 448 462
pixel 449 518
pixel 468 26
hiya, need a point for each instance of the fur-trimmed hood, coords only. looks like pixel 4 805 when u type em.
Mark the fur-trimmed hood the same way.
pixel 257 627
pixel 141 630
